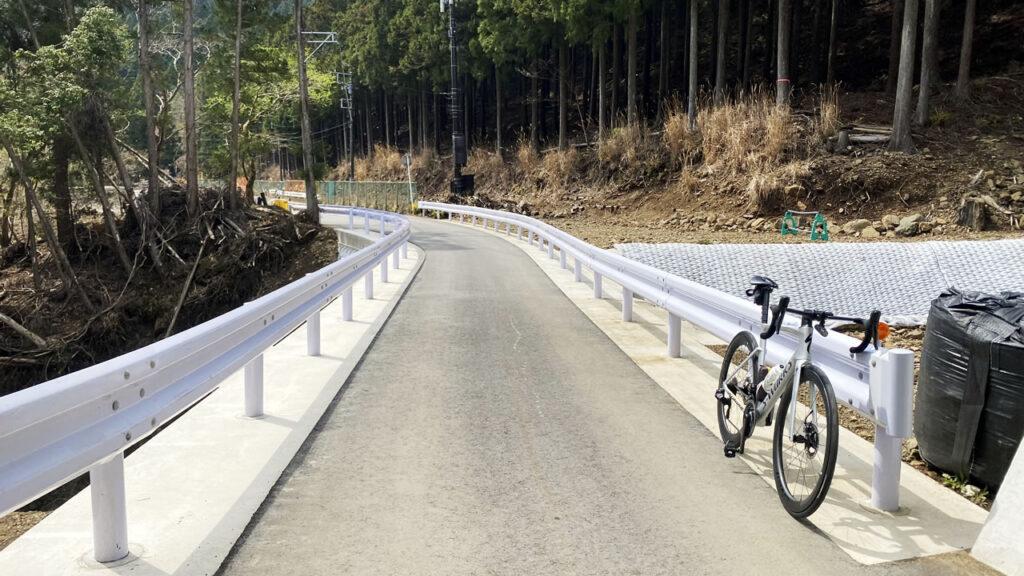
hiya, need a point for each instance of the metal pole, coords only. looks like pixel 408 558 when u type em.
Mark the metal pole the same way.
pixel 384 270
pixel 254 387
pixel 109 511
pixel 674 330
pixel 577 270
pixel 368 286
pixel 551 250
pixel 313 334
pixel 405 250
pixel 627 305
pixel 561 258
pixel 394 259
pixel 346 304
pixel 597 285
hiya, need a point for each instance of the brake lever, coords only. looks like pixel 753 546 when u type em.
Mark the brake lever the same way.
pixel 820 327
pixel 870 333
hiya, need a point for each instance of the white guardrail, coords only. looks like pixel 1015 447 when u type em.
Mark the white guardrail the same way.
pixel 877 384
pixel 84 421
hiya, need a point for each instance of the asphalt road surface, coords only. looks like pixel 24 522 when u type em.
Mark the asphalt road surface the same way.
pixel 493 429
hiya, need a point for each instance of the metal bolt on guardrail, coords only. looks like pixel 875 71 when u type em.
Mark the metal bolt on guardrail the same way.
pixel 878 385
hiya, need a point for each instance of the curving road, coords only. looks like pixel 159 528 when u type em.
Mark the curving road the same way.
pixel 492 429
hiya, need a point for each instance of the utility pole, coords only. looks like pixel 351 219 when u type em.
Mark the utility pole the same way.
pixel 344 79
pixel 319 39
pixel 462 184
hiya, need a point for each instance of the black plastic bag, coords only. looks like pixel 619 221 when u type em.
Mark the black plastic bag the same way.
pixel 969 414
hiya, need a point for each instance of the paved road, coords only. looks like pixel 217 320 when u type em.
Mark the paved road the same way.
pixel 492 429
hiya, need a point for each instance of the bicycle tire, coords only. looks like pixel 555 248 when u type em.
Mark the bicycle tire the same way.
pixel 730 416
pixel 803 499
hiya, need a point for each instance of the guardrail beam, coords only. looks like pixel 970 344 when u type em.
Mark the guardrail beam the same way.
pixel 109 511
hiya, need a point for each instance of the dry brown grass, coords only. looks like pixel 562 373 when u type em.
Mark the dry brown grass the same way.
pixel 489 168
pixel 828 121
pixel 683 144
pixel 527 157
pixel 748 135
pixel 562 168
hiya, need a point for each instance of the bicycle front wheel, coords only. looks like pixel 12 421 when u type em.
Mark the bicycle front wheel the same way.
pixel 805 442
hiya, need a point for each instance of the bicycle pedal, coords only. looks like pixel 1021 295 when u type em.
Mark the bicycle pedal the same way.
pixel 730 453
pixel 722 397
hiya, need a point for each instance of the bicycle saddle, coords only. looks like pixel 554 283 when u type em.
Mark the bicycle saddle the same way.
pixel 763 281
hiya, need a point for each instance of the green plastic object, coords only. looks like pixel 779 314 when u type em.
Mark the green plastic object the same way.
pixel 819 229
pixel 789 224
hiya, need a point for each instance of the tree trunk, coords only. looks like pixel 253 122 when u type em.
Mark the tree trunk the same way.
pixel 644 93
pixel 101 194
pixel 412 135
pixel 62 192
pixel 783 83
pixel 830 75
pixel 64 268
pixel 602 121
pixel 145 68
pixel 5 216
pixel 424 141
pixel 535 110
pixel 437 123
pixel 929 59
pixel 796 11
pixel 772 19
pixel 815 52
pixel 720 61
pixel 563 96
pixel 747 26
pixel 631 72
pixel 30 243
pixel 901 138
pixel 691 92
pixel 232 192
pixel 191 154
pixel 963 78
pixel 663 55
pixel 616 72
pixel 312 204
pixel 497 110
pixel 894 45
pixel 369 129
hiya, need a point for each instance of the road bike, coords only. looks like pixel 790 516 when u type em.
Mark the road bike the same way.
pixel 797 393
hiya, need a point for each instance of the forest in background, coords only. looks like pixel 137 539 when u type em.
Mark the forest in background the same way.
pixel 113 113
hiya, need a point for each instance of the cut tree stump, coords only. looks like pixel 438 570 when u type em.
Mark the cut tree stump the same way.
pixel 972 214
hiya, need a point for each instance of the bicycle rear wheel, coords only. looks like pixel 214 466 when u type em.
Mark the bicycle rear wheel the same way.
pixel 736 384
pixel 804 457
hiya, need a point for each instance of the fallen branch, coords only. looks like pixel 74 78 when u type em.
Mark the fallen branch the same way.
pixel 28 334
pixel 168 179
pixel 184 289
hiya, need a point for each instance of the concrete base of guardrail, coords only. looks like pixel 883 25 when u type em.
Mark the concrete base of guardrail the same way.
pixel 1001 542
pixel 932 520
pixel 193 488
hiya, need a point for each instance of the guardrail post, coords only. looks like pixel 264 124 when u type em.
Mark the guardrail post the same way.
pixel 254 387
pixel 519 229
pixel 508 228
pixel 405 250
pixel 551 250
pixel 577 274
pixel 462 218
pixel 892 393
pixel 449 216
pixel 394 259
pixel 474 221
pixel 561 257
pixel 313 334
pixel 384 270
pixel 109 512
pixel 350 219
pixel 674 330
pixel 627 305
pixel 366 223
pixel 597 285
pixel 496 224
pixel 346 304
pixel 368 285
pixel 529 235
pixel 383 226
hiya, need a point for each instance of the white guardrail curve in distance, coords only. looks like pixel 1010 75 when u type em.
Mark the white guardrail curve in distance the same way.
pixel 877 384
pixel 84 421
